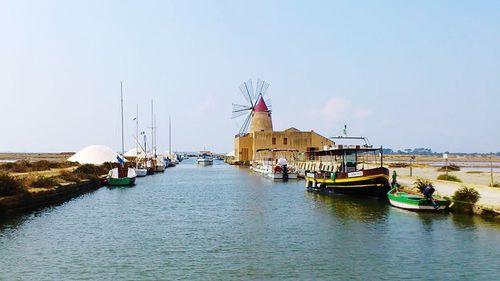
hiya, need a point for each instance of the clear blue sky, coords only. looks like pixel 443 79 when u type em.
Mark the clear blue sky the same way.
pixel 404 73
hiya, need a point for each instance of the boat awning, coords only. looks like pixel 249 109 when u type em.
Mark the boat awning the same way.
pixel 341 151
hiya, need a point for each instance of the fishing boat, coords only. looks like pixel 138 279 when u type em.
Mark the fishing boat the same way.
pixel 414 201
pixel 271 163
pixel 122 175
pixel 346 169
pixel 160 164
pixel 140 167
pixel 205 158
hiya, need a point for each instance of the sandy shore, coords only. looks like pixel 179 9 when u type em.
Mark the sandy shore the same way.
pixel 490 196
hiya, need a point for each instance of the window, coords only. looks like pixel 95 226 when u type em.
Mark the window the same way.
pixel 285 141
pixel 274 140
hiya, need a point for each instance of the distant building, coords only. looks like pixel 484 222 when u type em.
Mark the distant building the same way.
pixel 261 136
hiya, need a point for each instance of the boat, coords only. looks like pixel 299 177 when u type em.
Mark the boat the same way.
pixel 122 175
pixel 205 158
pixel 346 169
pixel 140 169
pixel 274 169
pixel 160 164
pixel 414 201
pixel 408 199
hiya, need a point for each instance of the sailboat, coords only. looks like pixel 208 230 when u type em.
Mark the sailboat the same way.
pixel 140 170
pixel 122 175
pixel 158 161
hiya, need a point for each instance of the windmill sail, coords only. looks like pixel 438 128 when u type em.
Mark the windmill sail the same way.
pixel 252 98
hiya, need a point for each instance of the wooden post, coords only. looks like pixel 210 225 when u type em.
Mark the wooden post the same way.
pixel 491 170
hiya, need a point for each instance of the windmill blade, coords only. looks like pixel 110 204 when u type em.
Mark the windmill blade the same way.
pixel 239 107
pixel 240 112
pixel 261 88
pixel 247 90
pixel 246 124
pixel 269 104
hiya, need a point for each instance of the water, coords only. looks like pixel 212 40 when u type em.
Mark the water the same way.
pixel 223 223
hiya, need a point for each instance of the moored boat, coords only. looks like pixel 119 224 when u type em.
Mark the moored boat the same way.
pixel 348 171
pixel 122 175
pixel 415 201
pixel 205 158
pixel 275 169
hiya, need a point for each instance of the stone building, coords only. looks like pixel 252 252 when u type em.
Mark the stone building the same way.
pixel 261 136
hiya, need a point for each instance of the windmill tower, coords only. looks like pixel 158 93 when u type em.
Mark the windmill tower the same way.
pixel 257 110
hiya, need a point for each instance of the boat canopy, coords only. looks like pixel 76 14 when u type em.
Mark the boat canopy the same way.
pixel 341 149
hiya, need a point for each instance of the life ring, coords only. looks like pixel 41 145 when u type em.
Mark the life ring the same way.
pixel 277 169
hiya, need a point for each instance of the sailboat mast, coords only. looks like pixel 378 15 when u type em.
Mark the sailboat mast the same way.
pixel 121 95
pixel 169 136
pixel 152 129
pixel 155 131
pixel 137 135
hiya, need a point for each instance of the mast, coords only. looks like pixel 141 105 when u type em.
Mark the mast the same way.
pixel 137 136
pixel 169 136
pixel 121 95
pixel 152 129
pixel 155 132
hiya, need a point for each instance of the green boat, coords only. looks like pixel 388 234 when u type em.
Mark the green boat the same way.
pixel 114 178
pixel 415 201
pixel 123 175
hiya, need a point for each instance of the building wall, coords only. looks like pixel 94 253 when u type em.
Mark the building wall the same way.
pixel 288 139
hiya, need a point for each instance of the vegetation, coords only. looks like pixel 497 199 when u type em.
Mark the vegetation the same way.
pixel 446 177
pixel 449 168
pixel 464 199
pixel 398 165
pixel 10 185
pixel 24 166
pixel 421 183
pixel 92 170
pixel 474 172
pixel 495 184
pixel 44 182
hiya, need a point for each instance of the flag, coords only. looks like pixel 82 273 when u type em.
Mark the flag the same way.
pixel 120 160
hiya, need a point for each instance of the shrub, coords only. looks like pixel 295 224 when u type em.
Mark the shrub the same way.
pixel 70 176
pixel 495 184
pixel 421 183
pixel 91 170
pixel 10 185
pixel 446 177
pixel 23 166
pixel 43 182
pixel 464 199
pixel 449 168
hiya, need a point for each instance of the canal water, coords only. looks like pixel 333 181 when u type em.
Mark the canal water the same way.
pixel 223 223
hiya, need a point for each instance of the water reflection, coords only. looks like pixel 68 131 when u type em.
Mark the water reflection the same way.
pixel 349 207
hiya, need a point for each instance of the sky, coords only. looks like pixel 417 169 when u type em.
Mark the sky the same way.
pixel 405 74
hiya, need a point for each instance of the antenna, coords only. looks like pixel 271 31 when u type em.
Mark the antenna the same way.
pixel 121 98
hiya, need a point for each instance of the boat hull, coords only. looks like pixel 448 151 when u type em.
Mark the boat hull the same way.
pixel 205 162
pixel 160 169
pixel 141 172
pixel 373 182
pixel 121 181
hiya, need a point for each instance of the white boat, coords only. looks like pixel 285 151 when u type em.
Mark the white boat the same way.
pixel 141 172
pixel 275 171
pixel 205 158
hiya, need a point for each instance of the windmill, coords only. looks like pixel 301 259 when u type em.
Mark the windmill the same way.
pixel 255 103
